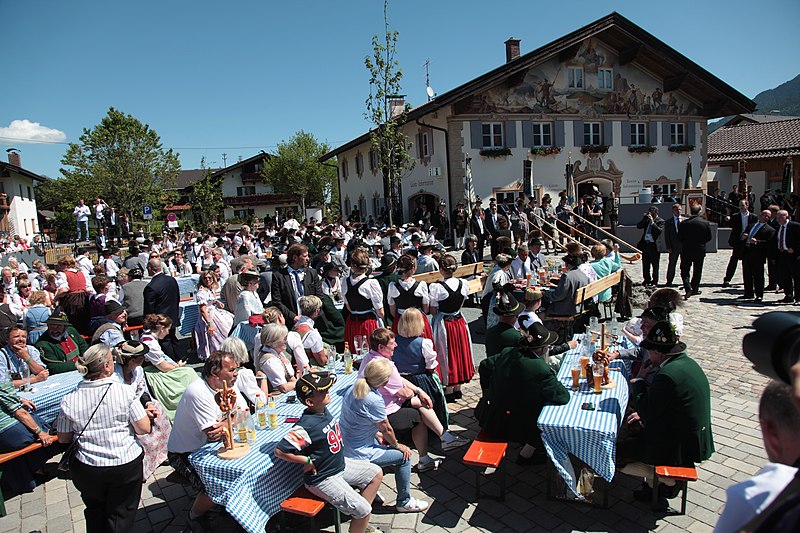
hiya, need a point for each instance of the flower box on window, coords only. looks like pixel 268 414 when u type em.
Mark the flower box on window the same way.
pixel 495 152
pixel 546 150
pixel 642 149
pixel 594 149
pixel 681 148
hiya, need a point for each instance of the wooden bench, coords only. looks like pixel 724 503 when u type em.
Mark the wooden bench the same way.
pixel 682 475
pixel 8 456
pixel 303 503
pixel 583 295
pixel 487 452
pixel 464 271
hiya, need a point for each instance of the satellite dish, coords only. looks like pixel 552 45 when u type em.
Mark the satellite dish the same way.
pixel 430 92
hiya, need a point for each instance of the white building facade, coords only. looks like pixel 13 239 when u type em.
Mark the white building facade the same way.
pixel 18 214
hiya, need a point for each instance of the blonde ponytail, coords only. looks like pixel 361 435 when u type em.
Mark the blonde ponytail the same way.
pixel 360 389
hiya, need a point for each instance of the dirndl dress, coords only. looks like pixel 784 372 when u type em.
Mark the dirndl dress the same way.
pixel 222 320
pixel 362 319
pixel 452 339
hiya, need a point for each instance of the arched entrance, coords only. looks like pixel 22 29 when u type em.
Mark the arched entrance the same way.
pixel 415 202
pixel 594 175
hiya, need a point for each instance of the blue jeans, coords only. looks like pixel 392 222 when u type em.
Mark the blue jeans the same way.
pixel 402 474
pixel 82 231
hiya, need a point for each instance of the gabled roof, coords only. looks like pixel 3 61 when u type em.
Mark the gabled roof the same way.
pixel 258 157
pixel 751 118
pixel 187 178
pixel 755 141
pixel 8 167
pixel 717 97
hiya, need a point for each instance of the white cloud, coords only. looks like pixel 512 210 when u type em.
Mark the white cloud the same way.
pixel 25 131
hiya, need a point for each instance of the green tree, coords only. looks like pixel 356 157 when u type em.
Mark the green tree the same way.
pixel 207 195
pixel 388 140
pixel 123 161
pixel 295 169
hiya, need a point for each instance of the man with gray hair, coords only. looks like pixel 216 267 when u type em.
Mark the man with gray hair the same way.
pixel 162 296
pixel 780 430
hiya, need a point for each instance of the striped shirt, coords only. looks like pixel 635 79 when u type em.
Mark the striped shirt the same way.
pixel 108 439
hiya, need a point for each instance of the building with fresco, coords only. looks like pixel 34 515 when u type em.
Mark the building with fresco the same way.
pixel 625 110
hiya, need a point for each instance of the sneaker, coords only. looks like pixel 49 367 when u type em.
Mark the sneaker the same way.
pixel 457 442
pixel 433 464
pixel 413 505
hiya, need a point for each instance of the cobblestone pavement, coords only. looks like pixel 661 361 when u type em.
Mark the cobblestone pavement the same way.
pixel 715 325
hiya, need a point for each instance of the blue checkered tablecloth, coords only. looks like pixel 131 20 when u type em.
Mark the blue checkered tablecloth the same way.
pixel 189 313
pixel 246 333
pixel 252 488
pixel 591 436
pixel 188 284
pixel 46 395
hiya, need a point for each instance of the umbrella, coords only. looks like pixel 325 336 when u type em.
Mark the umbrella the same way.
pixel 688 181
pixel 570 184
pixel 743 179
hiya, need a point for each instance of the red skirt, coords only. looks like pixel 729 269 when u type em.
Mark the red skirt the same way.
pixel 427 332
pixel 459 352
pixel 359 325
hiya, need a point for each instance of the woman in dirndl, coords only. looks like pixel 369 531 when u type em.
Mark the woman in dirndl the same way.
pixel 498 277
pixel 450 332
pixel 214 322
pixel 416 360
pixel 407 293
pixel 73 293
pixel 363 297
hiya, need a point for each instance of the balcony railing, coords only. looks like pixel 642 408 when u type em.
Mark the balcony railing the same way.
pixel 258 199
pixel 251 177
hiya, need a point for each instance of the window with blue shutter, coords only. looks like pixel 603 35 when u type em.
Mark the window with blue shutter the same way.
pixel 527 133
pixel 559 138
pixel 476 134
pixel 511 134
pixel 652 134
pixel 577 130
pixel 690 133
pixel 608 133
pixel 665 133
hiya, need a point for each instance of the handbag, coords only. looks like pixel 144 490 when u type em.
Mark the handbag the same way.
pixel 65 464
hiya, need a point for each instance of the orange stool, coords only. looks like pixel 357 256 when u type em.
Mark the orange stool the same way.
pixel 486 452
pixel 304 503
pixel 682 475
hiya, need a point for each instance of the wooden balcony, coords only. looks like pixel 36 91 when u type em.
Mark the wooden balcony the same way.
pixel 251 178
pixel 258 199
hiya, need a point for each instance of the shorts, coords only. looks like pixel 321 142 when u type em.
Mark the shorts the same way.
pixel 404 419
pixel 181 464
pixel 338 490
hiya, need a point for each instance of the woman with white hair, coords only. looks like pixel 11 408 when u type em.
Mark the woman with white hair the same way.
pixel 273 361
pixel 102 415
pixel 247 380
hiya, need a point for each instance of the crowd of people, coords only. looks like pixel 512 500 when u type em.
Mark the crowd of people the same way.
pixel 314 289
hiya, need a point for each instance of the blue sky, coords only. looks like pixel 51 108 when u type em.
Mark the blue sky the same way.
pixel 239 76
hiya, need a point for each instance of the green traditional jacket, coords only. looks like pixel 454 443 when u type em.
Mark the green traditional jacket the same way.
pixel 499 337
pixel 54 352
pixel 676 412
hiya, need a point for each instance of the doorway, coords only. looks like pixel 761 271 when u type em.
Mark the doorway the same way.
pixel 416 201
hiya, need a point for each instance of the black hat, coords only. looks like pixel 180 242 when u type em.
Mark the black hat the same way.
pixel 113 307
pixel 662 338
pixel 540 335
pixel 507 305
pixel 503 260
pixel 387 262
pixel 58 318
pixel 313 382
pixel 135 273
pixel 394 239
pixel 129 349
pixel 535 242
pixel 324 249
pixel 657 313
pixel 327 267
pixel 416 238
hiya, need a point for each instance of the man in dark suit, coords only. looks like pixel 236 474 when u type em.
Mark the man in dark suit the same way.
pixel 294 280
pixel 100 241
pixel 653 225
pixel 674 245
pixel 694 233
pixel 772 253
pixel 162 296
pixel 739 222
pixel 787 242
pixel 492 221
pixel 477 227
pixel 759 238
pixel 674 412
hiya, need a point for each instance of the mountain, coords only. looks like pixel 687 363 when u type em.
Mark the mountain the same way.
pixel 785 99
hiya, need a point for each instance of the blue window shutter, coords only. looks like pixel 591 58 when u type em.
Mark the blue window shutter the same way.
pixel 665 133
pixel 558 140
pixel 652 134
pixel 511 133
pixel 626 133
pixel 577 129
pixel 476 134
pixel 419 145
pixel 527 133
pixel 608 132
pixel 690 133
pixel 430 141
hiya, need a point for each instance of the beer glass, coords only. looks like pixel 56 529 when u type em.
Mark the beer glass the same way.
pixel 597 373
pixel 576 376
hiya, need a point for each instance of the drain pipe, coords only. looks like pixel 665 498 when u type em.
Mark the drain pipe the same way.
pixel 450 205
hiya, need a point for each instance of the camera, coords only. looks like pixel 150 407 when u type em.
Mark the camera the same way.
pixel 774 346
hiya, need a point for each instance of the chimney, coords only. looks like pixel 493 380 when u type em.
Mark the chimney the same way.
pixel 13 157
pixel 512 49
pixel 397 104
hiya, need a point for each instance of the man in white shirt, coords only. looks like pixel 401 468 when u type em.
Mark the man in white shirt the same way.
pixel 780 430
pixel 223 264
pixel 521 265
pixel 84 262
pixel 197 422
pixel 82 213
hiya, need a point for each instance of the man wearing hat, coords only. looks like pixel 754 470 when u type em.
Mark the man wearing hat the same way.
pixel 517 384
pixel 388 274
pixel 674 413
pixel 426 263
pixel 503 334
pixel 111 332
pixel 395 250
pixel 61 344
pixel 459 220
pixel 538 260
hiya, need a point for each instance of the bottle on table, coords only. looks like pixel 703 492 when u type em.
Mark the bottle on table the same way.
pixel 249 427
pixel 272 414
pixel 261 413
pixel 348 359
pixel 614 325
pixel 240 426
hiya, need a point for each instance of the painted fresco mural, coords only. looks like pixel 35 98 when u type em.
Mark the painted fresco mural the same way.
pixel 544 89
